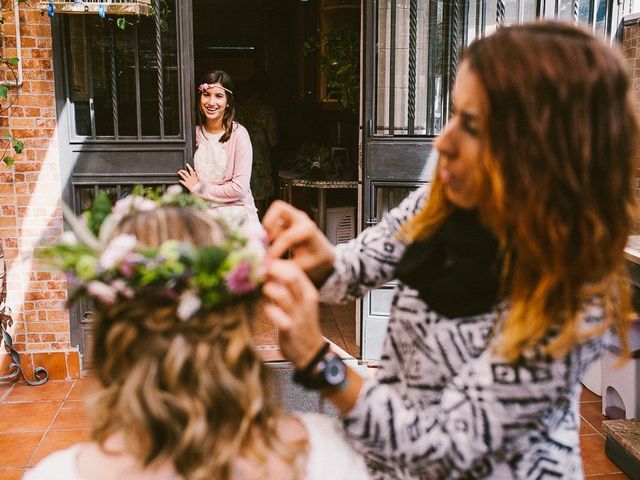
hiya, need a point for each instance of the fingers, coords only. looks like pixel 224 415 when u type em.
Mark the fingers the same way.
pixel 284 274
pixel 290 238
pixel 277 316
pixel 279 216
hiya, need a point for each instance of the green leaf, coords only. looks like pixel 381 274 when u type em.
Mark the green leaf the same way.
pixel 8 135
pixel 18 147
pixel 4 91
pixel 121 23
pixel 9 160
pixel 12 61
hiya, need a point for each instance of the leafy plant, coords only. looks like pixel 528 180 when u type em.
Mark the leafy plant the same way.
pixel 7 101
pixel 340 62
pixel 313 162
pixel 122 22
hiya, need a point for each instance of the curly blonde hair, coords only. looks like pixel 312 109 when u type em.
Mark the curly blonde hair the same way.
pixel 192 392
pixel 561 148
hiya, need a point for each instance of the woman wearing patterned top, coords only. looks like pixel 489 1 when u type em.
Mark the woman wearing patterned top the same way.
pixel 222 162
pixel 510 266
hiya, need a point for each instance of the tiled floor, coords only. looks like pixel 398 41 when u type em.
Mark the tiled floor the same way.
pixel 35 421
pixel 337 322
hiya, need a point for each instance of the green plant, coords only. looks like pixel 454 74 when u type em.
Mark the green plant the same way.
pixel 122 22
pixel 340 62
pixel 313 161
pixel 6 101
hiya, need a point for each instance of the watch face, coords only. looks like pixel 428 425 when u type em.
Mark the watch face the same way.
pixel 334 372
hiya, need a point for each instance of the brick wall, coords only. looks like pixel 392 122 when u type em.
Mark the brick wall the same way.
pixel 30 193
pixel 631 51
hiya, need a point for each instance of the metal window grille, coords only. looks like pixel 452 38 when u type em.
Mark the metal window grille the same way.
pixel 123 84
pixel 419 43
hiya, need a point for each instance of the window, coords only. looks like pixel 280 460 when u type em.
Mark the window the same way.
pixel 418 48
pixel 123 84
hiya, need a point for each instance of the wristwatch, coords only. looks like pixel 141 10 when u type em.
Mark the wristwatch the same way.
pixel 326 370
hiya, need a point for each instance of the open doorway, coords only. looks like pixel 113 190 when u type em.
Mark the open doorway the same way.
pixel 285 43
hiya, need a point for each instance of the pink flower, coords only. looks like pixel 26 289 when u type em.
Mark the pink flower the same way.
pixel 239 279
pixel 102 292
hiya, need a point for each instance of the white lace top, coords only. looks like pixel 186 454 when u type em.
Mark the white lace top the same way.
pixel 210 158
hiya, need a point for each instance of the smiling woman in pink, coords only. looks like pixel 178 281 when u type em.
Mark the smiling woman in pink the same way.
pixel 223 158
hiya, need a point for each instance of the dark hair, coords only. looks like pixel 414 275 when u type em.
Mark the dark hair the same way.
pixel 224 79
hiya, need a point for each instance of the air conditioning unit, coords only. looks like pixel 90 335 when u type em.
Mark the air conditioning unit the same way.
pixel 340 223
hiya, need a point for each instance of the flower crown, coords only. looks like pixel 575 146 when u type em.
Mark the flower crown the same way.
pixel 196 278
pixel 203 87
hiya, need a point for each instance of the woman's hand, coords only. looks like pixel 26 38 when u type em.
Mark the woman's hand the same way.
pixel 290 228
pixel 293 308
pixel 190 178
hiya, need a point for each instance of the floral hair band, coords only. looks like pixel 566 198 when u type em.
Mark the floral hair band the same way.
pixel 194 278
pixel 203 87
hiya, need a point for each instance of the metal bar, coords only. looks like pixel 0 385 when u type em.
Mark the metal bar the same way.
pixel 464 22
pixel 432 50
pixel 413 38
pixel 479 8
pixel 576 12
pixel 500 13
pixel 136 62
pixel 446 60
pixel 159 70
pixel 392 68
pixel 114 83
pixel 592 16
pixel 89 48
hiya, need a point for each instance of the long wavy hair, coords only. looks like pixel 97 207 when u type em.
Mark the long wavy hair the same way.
pixel 224 79
pixel 194 393
pixel 561 148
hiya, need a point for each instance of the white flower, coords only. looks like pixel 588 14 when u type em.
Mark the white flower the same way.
pixel 123 206
pixel 116 250
pixel 68 238
pixel 121 286
pixel 188 305
pixel 145 204
pixel 172 191
pixel 102 292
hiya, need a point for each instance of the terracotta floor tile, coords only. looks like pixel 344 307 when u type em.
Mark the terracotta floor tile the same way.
pixel 53 390
pixel 588 396
pixel 25 417
pixel 594 459
pixel 12 474
pixel 82 388
pixel 586 428
pixel 591 412
pixel 58 440
pixel 72 418
pixel 5 389
pixel 20 446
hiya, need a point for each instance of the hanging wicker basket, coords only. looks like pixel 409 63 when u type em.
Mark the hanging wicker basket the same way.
pixel 100 7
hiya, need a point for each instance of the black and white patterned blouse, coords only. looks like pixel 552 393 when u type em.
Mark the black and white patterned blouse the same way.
pixel 444 405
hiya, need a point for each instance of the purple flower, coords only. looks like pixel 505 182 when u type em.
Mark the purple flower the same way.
pixel 239 279
pixel 102 292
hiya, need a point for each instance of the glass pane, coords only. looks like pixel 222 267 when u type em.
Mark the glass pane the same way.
pixel 387 198
pixel 79 74
pixel 565 10
pixel 171 94
pixel 101 50
pixel 148 76
pixel 126 47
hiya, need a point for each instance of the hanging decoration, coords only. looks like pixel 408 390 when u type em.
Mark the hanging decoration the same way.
pixel 99 7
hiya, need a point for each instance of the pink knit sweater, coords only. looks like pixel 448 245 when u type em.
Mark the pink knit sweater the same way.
pixel 233 188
